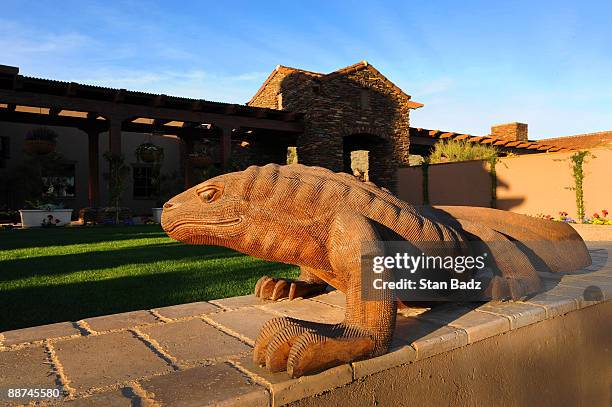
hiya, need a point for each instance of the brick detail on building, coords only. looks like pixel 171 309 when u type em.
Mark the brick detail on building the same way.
pixel 510 131
pixel 352 109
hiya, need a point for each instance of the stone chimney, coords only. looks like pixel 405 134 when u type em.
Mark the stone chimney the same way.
pixel 510 131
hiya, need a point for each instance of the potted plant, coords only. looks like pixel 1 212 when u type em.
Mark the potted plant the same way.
pixel 149 153
pixel 44 214
pixel 40 141
pixel 201 155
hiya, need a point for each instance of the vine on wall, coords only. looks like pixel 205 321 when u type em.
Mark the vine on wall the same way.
pixel 577 162
pixel 493 160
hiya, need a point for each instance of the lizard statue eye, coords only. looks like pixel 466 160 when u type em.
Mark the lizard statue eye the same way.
pixel 210 194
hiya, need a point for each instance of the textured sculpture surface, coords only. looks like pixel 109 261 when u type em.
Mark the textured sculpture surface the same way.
pixel 317 219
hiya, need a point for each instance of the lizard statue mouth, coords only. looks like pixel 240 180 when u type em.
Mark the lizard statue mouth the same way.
pixel 216 223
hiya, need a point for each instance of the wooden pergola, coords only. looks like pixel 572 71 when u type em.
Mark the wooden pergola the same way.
pixel 94 110
pixel 423 141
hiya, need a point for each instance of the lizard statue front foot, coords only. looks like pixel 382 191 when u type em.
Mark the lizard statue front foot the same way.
pixel 301 347
pixel 307 285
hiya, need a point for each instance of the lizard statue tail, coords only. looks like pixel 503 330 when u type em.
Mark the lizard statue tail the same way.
pixel 551 246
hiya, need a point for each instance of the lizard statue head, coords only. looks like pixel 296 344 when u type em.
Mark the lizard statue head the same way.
pixel 212 212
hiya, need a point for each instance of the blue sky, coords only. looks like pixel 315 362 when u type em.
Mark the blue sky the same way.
pixel 473 63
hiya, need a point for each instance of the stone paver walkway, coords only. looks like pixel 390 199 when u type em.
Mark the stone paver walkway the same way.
pixel 200 353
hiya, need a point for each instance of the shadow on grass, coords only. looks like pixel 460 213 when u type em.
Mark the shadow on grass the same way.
pixel 31 306
pixel 64 236
pixel 17 269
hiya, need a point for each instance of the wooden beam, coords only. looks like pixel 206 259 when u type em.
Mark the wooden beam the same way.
pixel 109 108
pixel 47 87
pixel 48 120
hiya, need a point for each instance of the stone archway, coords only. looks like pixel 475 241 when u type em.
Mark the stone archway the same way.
pixel 361 153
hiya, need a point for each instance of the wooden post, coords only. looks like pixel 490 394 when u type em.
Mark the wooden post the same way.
pixel 188 149
pixel 226 146
pixel 114 136
pixel 94 168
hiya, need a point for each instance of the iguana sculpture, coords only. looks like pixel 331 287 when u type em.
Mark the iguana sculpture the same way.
pixel 316 219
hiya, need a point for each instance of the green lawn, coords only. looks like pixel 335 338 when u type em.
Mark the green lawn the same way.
pixel 65 274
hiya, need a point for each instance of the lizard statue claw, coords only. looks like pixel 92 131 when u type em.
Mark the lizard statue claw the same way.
pixel 316 219
pixel 269 288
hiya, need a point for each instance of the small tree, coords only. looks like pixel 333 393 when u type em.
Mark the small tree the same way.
pixel 117 176
pixel 462 150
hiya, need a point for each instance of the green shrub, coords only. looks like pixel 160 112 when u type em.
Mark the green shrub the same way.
pixel 462 150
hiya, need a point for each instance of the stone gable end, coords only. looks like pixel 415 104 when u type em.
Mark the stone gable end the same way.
pixel 353 109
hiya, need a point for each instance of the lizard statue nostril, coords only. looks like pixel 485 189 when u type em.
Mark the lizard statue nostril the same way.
pixel 169 205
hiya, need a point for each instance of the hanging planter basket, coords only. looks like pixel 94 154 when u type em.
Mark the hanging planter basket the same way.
pixel 149 153
pixel 40 141
pixel 39 147
pixel 199 160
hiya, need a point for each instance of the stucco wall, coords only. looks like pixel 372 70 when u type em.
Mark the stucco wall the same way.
pixel 529 184
pixel 564 361
pixel 540 183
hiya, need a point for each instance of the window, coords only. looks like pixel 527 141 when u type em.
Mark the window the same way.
pixel 59 180
pixel 145 182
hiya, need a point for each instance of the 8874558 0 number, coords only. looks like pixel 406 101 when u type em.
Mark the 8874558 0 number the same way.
pixel 33 393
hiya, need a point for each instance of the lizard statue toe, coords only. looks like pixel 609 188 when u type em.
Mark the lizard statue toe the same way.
pixel 306 285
